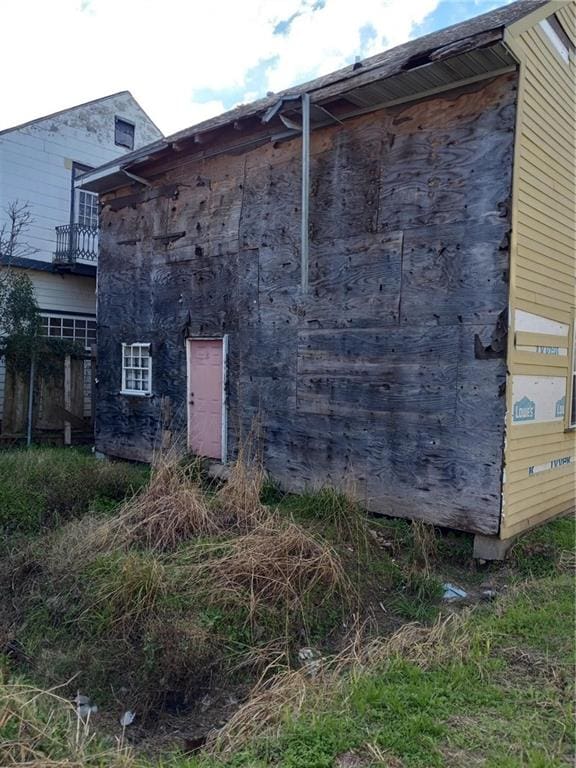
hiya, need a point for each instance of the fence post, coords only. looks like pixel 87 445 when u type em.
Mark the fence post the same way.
pixel 67 398
pixel 30 401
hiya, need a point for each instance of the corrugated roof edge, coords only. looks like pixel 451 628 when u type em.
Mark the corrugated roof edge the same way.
pixel 382 65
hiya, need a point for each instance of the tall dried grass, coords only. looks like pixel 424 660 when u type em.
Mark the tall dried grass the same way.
pixel 285 694
pixel 425 545
pixel 277 563
pixel 238 500
pixel 40 729
pixel 445 642
pixel 169 510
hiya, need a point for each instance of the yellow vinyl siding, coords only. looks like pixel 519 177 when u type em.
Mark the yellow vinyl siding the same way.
pixel 543 269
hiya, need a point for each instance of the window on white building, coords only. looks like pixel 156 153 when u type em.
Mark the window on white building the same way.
pixel 136 369
pixel 79 329
pixel 123 133
pixel 88 209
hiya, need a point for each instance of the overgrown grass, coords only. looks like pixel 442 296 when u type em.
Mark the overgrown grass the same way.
pixel 184 590
pixel 490 688
pixel 478 697
pixel 43 487
pixel 179 587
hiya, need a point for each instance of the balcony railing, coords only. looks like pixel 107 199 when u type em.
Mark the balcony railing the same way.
pixel 76 243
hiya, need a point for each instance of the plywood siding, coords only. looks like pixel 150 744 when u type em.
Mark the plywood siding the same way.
pixel 540 453
pixel 381 373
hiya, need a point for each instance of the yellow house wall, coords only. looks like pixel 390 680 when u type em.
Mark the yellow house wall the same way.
pixel 540 453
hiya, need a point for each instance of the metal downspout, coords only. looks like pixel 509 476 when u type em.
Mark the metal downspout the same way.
pixel 305 191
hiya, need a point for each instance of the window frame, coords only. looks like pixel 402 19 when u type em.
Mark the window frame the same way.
pixel 571 383
pixel 75 320
pixel 557 37
pixel 136 392
pixel 92 206
pixel 122 120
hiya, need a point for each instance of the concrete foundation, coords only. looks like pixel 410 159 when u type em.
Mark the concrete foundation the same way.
pixel 491 547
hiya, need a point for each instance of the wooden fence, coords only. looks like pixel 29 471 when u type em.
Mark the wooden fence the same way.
pixel 61 409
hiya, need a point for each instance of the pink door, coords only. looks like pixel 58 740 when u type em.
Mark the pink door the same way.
pixel 205 378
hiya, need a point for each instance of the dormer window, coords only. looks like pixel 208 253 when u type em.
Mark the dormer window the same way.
pixel 556 34
pixel 123 133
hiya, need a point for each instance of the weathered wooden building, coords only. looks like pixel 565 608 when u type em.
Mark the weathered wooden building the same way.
pixel 379 265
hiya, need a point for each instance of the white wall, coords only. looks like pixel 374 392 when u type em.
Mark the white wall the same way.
pixel 71 293
pixel 36 160
pixel 36 167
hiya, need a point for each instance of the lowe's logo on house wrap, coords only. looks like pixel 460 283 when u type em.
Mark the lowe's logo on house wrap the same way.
pixel 548 350
pixel 563 461
pixel 524 410
pixel 559 408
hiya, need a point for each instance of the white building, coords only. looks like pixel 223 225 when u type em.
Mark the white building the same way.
pixel 39 162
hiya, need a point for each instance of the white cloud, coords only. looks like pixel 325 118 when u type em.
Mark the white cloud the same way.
pixel 61 53
pixel 323 40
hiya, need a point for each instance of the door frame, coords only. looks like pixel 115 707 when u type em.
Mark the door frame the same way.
pixel 224 433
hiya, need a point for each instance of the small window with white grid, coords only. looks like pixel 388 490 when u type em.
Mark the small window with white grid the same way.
pixel 88 209
pixel 80 329
pixel 136 369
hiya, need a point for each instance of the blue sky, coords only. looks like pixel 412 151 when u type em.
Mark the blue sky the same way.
pixel 187 61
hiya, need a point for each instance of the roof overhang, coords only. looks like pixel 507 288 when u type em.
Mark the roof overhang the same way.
pixel 101 180
pixel 427 74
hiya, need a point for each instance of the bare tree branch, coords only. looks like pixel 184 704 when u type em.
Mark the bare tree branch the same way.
pixel 13 230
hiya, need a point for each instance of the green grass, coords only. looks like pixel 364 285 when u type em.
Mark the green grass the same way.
pixel 538 552
pixel 42 487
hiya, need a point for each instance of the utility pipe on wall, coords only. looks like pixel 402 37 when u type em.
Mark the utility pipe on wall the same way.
pixel 305 191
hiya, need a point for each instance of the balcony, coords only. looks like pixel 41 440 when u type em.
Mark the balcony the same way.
pixel 76 244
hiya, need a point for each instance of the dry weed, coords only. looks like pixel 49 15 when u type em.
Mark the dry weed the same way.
pixel 425 545
pixel 283 694
pixel 43 730
pixel 277 563
pixel 381 757
pixel 238 501
pixel 444 642
pixel 169 510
